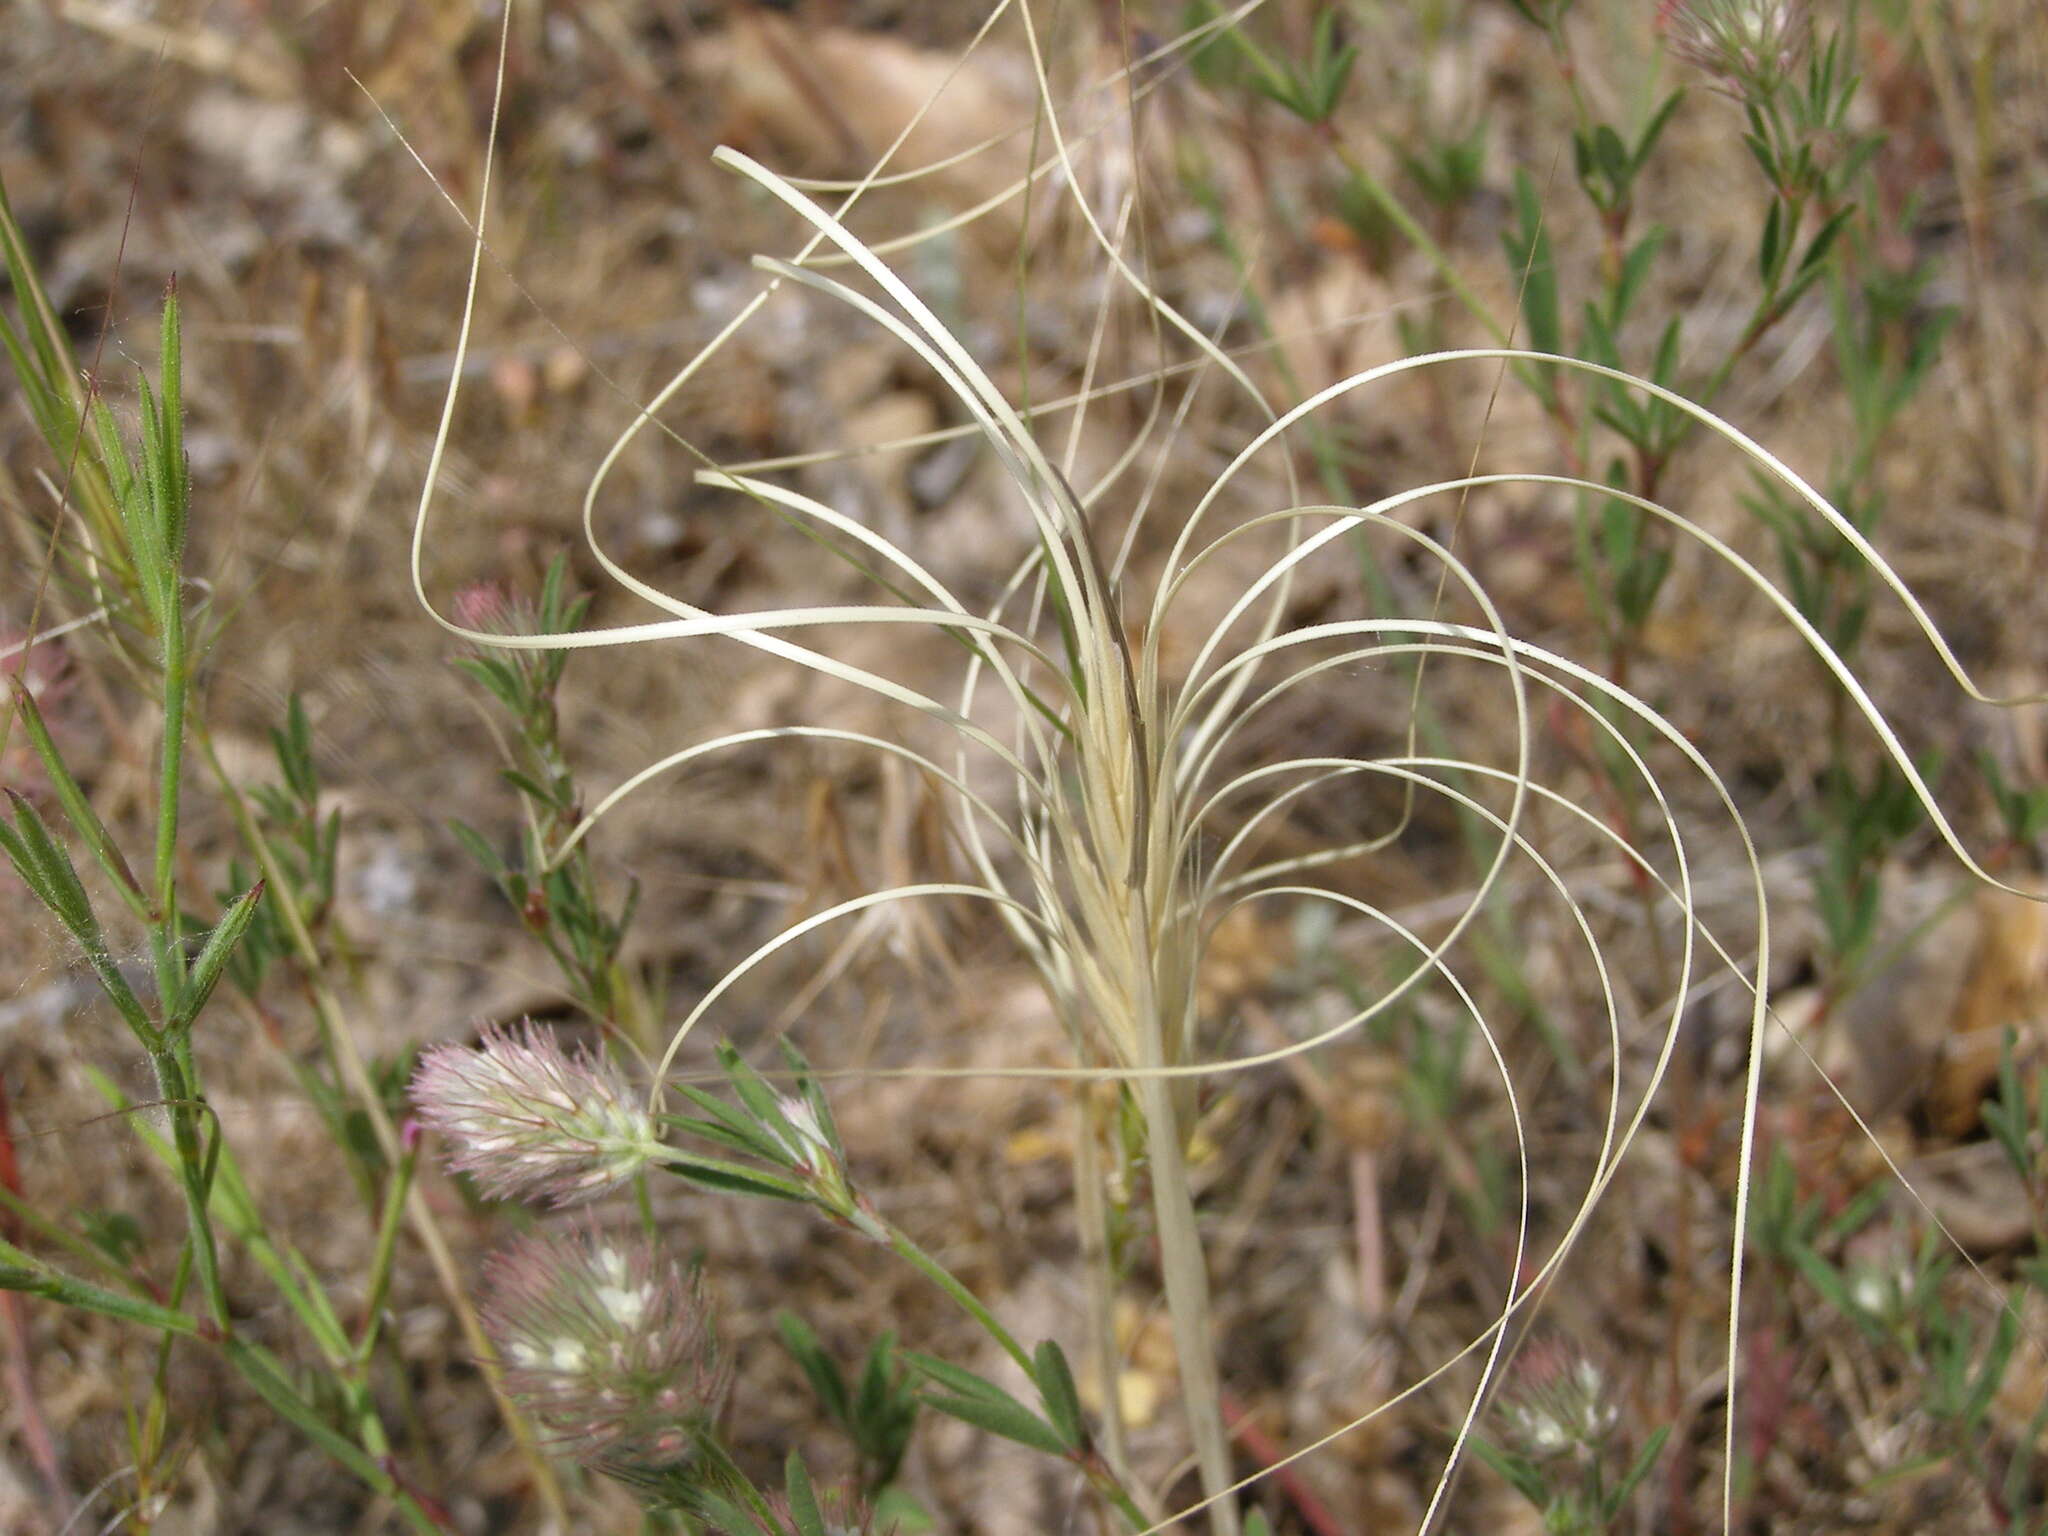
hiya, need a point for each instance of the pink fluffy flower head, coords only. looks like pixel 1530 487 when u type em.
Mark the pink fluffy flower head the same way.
pixel 1558 1401
pixel 1746 46
pixel 609 1347
pixel 531 1120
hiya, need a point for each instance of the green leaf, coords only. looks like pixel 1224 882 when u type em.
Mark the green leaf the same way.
pixel 1610 155
pixel 1523 1475
pixel 801 1341
pixel 1653 130
pixel 1639 1469
pixel 1062 1401
pixel 1823 1277
pixel 47 869
pixel 754 1092
pixel 1527 244
pixel 1770 245
pixel 730 1179
pixel 479 848
pixel 718 1135
pixel 956 1378
pixel 22 1272
pixel 1992 1372
pixel 897 1513
pixel 803 1498
pixel 728 1126
pixel 884 1414
pixel 1665 370
pixel 1009 1418
pixel 1635 267
pixel 78 810
pixel 1824 238
pixel 213 955
pixel 528 786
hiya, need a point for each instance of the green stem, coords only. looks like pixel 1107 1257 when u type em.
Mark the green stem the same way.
pixel 906 1248
pixel 1107 1485
pixel 1398 215
pixel 340 1043
pixel 384 1255
pixel 1106 1479
pixel 271 1383
pixel 20 1271
pixel 175 1087
pixel 177 687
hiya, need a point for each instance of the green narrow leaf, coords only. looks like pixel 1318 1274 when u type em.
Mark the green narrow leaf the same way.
pixel 1639 1469
pixel 735 1123
pixel 113 452
pixel 1062 1401
pixel 1992 1372
pixel 1768 244
pixel 803 1498
pixel 1529 254
pixel 479 848
pixel 1009 1418
pixel 1611 156
pixel 156 469
pixel 1654 130
pixel 22 1272
pixel 1824 238
pixel 813 1094
pixel 1523 1475
pixel 47 868
pixel 177 475
pixel 1635 267
pixel 78 809
pixel 1665 369
pixel 263 1372
pixel 801 1341
pixel 956 1378
pixel 877 1385
pixel 214 954
pixel 527 785
pixel 754 1092
pixel 1336 77
pixel 732 1180
pixel 293 744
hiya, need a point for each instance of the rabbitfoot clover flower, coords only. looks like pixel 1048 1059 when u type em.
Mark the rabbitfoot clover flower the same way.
pixel 531 1120
pixel 1747 46
pixel 1559 1402
pixel 610 1349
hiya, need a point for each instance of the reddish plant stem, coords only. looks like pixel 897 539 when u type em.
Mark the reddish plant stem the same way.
pixel 1260 1446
